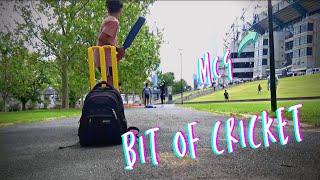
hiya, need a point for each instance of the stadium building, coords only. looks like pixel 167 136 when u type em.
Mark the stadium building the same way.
pixel 296 38
pixel 242 64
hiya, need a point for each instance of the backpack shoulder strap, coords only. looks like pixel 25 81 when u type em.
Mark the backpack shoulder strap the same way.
pixel 133 128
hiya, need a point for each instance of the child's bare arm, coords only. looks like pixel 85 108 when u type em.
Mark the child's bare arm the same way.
pixel 121 51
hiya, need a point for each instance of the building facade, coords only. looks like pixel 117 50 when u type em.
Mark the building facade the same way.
pixel 261 54
pixel 296 38
pixel 243 64
pixel 306 44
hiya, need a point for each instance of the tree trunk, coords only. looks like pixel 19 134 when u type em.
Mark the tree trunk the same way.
pixel 5 103
pixel 65 87
pixel 24 105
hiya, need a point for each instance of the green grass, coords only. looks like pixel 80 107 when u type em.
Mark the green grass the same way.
pixel 298 86
pixel 8 118
pixel 310 112
pixel 178 96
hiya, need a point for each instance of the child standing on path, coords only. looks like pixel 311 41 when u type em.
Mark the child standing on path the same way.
pixel 108 36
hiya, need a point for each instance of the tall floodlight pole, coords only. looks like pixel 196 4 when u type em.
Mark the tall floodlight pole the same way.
pixel 272 65
pixel 181 75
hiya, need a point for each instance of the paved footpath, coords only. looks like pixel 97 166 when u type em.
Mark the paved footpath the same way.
pixel 32 152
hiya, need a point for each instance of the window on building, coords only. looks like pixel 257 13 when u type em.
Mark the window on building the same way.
pixel 247 55
pixel 304 28
pixel 303 40
pixel 265 42
pixel 242 55
pixel 296 53
pixel 310 26
pixel 288 56
pixel 297 30
pixel 297 41
pixel 243 65
pixel 309 51
pixel 309 39
pixel 289 45
pixel 264 61
pixel 234 55
pixel 243 75
pixel 265 51
pixel 302 52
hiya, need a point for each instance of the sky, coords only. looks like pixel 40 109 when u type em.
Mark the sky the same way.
pixel 194 26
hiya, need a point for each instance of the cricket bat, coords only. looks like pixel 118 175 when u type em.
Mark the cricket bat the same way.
pixel 133 32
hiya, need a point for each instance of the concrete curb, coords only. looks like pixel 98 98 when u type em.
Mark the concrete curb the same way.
pixel 253 100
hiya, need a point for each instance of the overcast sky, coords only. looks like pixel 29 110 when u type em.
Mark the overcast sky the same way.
pixel 195 27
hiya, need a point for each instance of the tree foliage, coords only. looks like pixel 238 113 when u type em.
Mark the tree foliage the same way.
pixel 6 50
pixel 167 77
pixel 22 73
pixel 177 86
pixel 61 31
pixel 143 56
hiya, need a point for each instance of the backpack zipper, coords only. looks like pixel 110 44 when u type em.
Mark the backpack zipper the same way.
pixel 115 114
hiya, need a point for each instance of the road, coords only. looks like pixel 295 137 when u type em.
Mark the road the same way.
pixel 32 152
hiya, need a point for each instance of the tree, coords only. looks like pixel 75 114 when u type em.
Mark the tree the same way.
pixel 78 78
pixel 28 76
pixel 177 86
pixel 22 73
pixel 72 26
pixel 69 24
pixel 168 77
pixel 6 53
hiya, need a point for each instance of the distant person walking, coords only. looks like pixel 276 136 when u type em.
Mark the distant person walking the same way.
pixel 146 94
pixel 163 92
pixel 259 89
pixel 226 95
pixel 214 86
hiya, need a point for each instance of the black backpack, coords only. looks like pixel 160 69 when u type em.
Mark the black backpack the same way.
pixel 102 120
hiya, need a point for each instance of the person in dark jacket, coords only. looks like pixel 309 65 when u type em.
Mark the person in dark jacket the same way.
pixel 226 95
pixel 163 92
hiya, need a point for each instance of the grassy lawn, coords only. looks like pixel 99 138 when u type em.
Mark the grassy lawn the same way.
pixel 310 111
pixel 8 118
pixel 298 86
pixel 177 96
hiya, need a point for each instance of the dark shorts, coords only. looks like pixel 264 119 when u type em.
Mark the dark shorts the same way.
pixel 146 96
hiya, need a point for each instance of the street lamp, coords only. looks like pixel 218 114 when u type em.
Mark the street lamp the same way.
pixel 180 50
pixel 272 64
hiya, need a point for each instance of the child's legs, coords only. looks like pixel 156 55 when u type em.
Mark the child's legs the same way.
pixel 110 80
pixel 146 99
pixel 109 75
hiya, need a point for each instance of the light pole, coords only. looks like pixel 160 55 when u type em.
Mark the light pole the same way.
pixel 272 65
pixel 180 50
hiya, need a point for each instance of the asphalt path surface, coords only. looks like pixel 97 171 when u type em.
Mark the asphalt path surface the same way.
pixel 32 152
